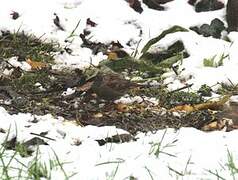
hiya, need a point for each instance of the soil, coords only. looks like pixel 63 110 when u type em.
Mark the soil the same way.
pixel 86 108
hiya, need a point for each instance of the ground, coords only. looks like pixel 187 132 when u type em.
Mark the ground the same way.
pixel 126 97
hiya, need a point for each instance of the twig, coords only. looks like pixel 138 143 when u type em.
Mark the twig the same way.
pixel 182 88
pixel 175 171
pixel 72 33
pixel 231 82
pixel 136 50
pixel 175 70
pixel 15 67
pixel 43 136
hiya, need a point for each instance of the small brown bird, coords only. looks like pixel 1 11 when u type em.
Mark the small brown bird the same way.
pixel 111 86
pixel 232 15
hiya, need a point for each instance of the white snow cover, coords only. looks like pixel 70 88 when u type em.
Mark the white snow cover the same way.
pixel 186 153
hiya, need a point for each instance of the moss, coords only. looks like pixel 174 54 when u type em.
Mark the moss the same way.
pixel 205 90
pixel 180 98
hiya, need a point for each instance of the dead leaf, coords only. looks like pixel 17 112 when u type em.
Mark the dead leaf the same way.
pixel 35 65
pixel 136 5
pixel 112 56
pixel 213 105
pixel 119 138
pixel 186 108
pixel 2 130
pixel 86 86
pixel 222 124
pixel 90 23
pixel 122 107
pixel 15 15
pixel 98 115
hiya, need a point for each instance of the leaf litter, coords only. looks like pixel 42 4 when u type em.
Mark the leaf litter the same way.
pixel 88 96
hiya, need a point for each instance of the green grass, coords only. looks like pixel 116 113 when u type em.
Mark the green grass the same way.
pixel 227 88
pixel 12 167
pixel 216 174
pixel 37 169
pixel 26 46
pixel 210 62
pixel 230 166
pixel 26 83
pixel 113 173
pixel 158 148
pixel 149 172
pixel 184 172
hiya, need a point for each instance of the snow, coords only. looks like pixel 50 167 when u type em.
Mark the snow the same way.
pixel 69 91
pixel 14 62
pixel 136 99
pixel 202 151
pixel 190 152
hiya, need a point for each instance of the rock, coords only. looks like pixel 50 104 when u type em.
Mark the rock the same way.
pixel 232 15
pixel 156 4
pixel 214 29
pixel 206 5
pixel 136 5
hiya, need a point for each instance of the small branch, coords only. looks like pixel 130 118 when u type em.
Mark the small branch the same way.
pixel 182 88
pixel 43 136
pixel 175 70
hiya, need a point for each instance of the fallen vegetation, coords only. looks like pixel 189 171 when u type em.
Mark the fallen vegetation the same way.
pixel 87 96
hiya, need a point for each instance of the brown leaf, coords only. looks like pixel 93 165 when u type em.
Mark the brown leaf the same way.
pixel 222 124
pixel 15 15
pixel 122 107
pixel 112 56
pixel 187 108
pixel 86 86
pixel 213 105
pixel 136 5
pixel 98 115
pixel 35 65
pixel 91 23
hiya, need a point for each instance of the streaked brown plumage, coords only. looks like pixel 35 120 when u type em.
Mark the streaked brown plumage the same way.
pixel 111 86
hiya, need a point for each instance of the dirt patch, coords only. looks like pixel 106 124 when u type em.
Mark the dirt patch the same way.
pixel 89 107
pixel 87 97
